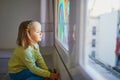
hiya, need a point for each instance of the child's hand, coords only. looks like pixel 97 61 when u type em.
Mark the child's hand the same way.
pixel 54 76
pixel 53 70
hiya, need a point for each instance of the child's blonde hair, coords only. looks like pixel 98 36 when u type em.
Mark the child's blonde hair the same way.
pixel 23 38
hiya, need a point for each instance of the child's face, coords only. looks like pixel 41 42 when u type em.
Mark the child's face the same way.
pixel 35 32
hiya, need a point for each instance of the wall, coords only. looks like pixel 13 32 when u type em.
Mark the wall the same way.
pixel 47 22
pixel 107 37
pixel 12 13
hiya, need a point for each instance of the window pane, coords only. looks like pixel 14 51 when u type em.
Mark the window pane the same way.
pixel 102 39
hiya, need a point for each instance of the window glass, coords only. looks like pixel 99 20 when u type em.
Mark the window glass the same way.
pixel 102 44
pixel 62 28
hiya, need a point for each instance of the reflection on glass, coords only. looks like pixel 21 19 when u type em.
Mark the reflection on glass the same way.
pixel 73 60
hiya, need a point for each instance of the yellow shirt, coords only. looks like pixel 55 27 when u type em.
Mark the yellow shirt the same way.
pixel 27 59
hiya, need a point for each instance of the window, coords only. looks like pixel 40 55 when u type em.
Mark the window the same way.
pixel 102 19
pixel 93 43
pixel 62 28
pixel 94 30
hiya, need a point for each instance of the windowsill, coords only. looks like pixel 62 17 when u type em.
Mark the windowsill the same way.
pixel 93 73
pixel 96 71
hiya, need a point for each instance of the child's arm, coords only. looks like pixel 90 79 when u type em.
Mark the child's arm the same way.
pixel 29 62
pixel 40 61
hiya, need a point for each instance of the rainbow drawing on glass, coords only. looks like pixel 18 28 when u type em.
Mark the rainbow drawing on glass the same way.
pixel 63 22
